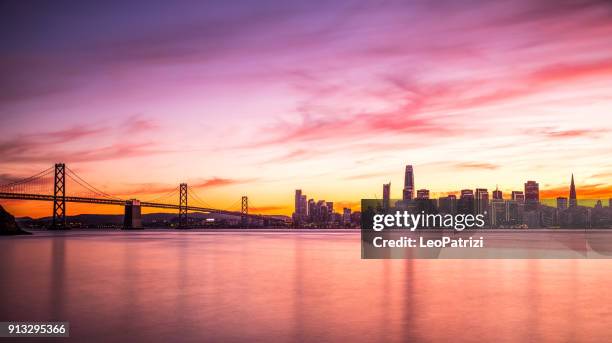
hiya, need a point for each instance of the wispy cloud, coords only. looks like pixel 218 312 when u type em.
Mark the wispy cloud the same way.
pixel 560 134
pixel 366 175
pixel 219 182
pixel 82 143
pixel 268 209
pixel 476 165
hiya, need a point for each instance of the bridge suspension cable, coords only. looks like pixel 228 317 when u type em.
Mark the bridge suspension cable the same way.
pixel 234 206
pixel 38 183
pixel 79 180
pixel 171 196
pixel 192 193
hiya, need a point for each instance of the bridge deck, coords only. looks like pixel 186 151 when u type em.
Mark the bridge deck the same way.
pixel 45 197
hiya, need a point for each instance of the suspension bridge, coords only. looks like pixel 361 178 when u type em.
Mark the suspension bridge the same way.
pixel 53 184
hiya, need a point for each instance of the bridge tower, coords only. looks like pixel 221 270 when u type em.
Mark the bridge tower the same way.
pixel 59 197
pixel 183 206
pixel 132 218
pixel 244 211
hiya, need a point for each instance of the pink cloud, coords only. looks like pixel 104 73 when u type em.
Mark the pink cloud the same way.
pixel 560 134
pixel 66 144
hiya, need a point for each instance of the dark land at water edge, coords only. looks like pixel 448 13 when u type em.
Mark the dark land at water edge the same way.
pixel 8 225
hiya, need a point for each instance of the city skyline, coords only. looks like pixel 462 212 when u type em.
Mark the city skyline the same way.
pixel 522 209
pixel 259 99
pixel 530 195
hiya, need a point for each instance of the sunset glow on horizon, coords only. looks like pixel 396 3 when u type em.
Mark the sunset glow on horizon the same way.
pixel 262 98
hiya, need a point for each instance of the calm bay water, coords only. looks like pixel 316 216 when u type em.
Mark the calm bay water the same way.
pixel 313 287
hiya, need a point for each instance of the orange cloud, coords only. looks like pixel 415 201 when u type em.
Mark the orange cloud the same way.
pixel 270 209
pixel 219 182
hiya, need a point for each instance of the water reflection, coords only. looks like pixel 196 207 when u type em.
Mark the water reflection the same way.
pixel 57 277
pixel 307 287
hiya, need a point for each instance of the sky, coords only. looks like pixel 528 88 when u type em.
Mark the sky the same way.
pixel 260 98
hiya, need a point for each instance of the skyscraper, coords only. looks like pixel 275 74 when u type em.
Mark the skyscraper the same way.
pixel 513 212
pixel 518 196
pixel 423 194
pixel 300 207
pixel 298 197
pixel 311 210
pixel 482 200
pixel 573 202
pixel 561 203
pixel 346 216
pixel 532 195
pixel 498 209
pixel 497 194
pixel 467 193
pixel 303 206
pixel 408 193
pixel 465 204
pixel 448 204
pixel 498 213
pixel 386 195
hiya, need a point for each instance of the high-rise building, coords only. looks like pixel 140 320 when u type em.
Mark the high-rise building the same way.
pixel 561 203
pixel 497 194
pixel 610 203
pixel 498 213
pixel 330 207
pixel 386 195
pixel 498 209
pixel 465 204
pixel 514 213
pixel 321 213
pixel 533 219
pixel 482 200
pixel 298 201
pixel 408 192
pixel 448 204
pixel 311 210
pixel 467 193
pixel 573 202
pixel 303 207
pixel 346 216
pixel 423 194
pixel 532 195
pixel 518 196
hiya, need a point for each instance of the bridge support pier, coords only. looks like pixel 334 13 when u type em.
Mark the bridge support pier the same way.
pixel 131 217
pixel 59 198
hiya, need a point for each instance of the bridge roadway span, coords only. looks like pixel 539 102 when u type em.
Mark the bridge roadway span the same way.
pixel 42 197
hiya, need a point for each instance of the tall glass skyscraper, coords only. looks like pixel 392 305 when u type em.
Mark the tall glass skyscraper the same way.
pixel 408 193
